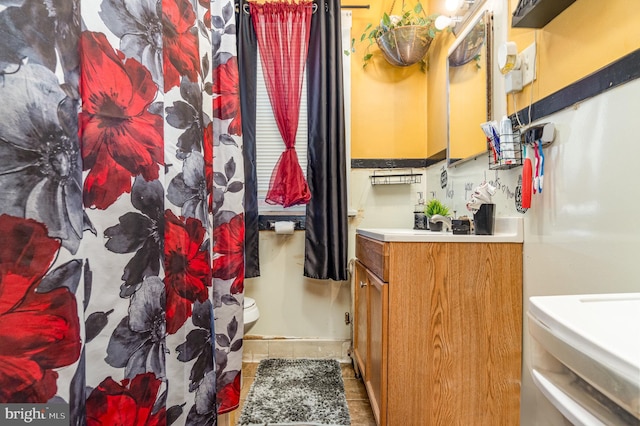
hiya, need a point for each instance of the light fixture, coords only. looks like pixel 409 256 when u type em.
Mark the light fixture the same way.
pixel 453 5
pixel 444 21
pixel 509 63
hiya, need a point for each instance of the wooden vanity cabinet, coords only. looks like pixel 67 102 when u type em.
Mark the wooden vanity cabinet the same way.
pixel 370 343
pixel 438 331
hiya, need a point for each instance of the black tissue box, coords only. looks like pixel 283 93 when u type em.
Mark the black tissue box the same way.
pixel 461 226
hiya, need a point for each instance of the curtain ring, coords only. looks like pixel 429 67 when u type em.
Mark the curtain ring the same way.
pixel 245 8
pixel 314 7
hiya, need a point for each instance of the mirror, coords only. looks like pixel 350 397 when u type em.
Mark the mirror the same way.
pixel 468 9
pixel 469 90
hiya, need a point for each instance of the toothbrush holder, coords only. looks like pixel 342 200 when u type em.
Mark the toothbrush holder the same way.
pixel 484 219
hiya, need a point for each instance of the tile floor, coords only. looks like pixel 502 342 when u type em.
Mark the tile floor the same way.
pixel 359 408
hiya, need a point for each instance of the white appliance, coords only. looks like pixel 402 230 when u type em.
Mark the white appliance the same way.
pixel 586 356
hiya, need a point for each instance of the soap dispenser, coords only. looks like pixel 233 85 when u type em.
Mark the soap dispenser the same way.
pixel 419 218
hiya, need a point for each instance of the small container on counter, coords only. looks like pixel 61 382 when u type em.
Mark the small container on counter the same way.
pixel 420 220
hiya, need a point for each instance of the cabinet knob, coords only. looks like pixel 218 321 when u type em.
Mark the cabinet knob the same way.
pixel 363 284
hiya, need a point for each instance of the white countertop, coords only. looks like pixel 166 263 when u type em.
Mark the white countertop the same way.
pixel 506 230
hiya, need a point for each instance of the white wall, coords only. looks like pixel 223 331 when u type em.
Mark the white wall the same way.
pixel 581 234
pixel 292 305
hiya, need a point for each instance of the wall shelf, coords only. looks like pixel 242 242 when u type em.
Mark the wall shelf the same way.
pixel 537 13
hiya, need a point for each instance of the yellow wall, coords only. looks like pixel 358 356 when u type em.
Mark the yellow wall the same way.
pixel 402 113
pixel 585 37
pixel 389 104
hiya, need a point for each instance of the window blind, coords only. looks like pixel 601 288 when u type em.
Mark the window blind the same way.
pixel 269 143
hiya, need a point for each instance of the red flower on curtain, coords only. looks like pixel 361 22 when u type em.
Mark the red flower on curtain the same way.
pixel 180 42
pixel 186 266
pixel 228 249
pixel 39 331
pixel 207 148
pixel 120 137
pixel 282 31
pixel 226 92
pixel 128 403
pixel 227 397
pixel 207 15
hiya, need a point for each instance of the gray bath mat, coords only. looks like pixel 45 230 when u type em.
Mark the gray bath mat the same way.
pixel 296 392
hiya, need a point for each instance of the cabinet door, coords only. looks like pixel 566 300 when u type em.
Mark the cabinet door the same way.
pixel 376 379
pixel 360 319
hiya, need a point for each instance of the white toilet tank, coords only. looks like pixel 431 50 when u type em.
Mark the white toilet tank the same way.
pixel 251 313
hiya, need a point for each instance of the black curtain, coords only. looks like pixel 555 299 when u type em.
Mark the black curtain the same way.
pixel 247 63
pixel 326 221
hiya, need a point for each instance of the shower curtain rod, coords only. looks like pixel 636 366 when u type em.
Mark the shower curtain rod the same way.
pixel 245 7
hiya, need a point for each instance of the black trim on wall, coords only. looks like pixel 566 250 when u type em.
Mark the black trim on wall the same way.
pixel 437 157
pixel 619 72
pixel 387 163
pixel 397 163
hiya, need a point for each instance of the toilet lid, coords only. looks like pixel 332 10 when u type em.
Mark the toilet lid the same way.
pixel 249 302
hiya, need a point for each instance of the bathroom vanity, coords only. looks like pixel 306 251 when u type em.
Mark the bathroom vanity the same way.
pixel 438 326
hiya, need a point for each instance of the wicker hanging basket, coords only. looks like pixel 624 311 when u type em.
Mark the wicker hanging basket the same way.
pixel 404 46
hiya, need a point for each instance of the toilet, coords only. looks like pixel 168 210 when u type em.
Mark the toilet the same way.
pixel 251 313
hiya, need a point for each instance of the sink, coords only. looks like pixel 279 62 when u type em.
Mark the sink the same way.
pixel 506 230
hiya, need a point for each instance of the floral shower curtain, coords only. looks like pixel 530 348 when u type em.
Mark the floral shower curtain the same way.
pixel 121 184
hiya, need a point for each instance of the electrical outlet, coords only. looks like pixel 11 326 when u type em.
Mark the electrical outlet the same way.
pixel 528 66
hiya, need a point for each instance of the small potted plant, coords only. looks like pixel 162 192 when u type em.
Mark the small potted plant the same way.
pixel 435 207
pixel 403 39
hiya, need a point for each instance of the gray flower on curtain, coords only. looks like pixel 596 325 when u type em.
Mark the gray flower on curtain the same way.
pixel 203 412
pixel 188 189
pixel 142 233
pixel 27 31
pixel 138 342
pixel 138 25
pixel 188 116
pixel 41 171
pixel 198 344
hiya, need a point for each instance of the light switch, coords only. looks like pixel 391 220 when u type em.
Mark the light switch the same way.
pixel 528 58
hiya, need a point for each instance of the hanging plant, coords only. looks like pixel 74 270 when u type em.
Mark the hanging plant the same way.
pixel 403 39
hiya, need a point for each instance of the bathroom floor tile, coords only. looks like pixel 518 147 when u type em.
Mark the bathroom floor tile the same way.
pixel 249 369
pixel 360 413
pixel 244 387
pixel 347 371
pixel 354 389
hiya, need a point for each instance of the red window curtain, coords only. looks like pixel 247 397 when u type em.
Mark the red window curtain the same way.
pixel 282 33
